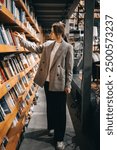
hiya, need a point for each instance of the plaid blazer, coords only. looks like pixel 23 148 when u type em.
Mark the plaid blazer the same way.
pixel 61 71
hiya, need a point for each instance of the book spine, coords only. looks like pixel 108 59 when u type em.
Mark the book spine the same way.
pixel 9 37
pixel 5 106
pixel 2 111
pixel 6 68
pixel 4 34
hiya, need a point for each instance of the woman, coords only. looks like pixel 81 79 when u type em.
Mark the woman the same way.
pixel 55 74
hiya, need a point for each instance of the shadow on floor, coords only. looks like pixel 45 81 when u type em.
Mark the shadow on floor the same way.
pixel 39 135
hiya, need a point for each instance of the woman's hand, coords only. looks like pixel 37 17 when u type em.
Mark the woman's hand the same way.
pixel 67 90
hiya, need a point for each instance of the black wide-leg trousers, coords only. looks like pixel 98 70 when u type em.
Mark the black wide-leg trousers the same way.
pixel 56 112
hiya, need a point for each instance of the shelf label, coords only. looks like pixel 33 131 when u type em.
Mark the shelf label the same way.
pixel 17 48
pixel 8 86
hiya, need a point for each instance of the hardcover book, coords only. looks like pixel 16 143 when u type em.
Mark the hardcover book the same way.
pixel 6 68
pixel 5 106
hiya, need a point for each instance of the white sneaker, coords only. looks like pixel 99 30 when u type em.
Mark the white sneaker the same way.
pixel 60 145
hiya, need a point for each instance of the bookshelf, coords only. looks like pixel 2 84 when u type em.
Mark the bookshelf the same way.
pixel 17 71
pixel 6 86
pixel 21 4
pixel 15 133
pixel 7 49
pixel 7 17
pixel 5 125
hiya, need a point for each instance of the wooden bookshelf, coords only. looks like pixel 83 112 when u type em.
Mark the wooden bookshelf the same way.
pixel 27 90
pixel 26 110
pixel 30 102
pixel 13 142
pixel 9 48
pixel 21 4
pixel 14 133
pixel 6 124
pixel 14 130
pixel 7 17
pixel 6 128
pixel 6 86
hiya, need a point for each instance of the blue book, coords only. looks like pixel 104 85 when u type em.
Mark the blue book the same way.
pixel 2 39
pixel 1 117
pixel 5 106
pixel 2 112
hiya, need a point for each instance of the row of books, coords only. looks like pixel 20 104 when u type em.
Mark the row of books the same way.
pixel 7 36
pixel 31 29
pixel 20 87
pixel 19 14
pixel 14 124
pixel 23 104
pixel 6 103
pixel 29 115
pixel 13 64
pixel 31 11
pixel 9 100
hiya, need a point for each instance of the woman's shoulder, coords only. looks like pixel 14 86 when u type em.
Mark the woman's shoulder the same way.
pixel 68 44
pixel 47 43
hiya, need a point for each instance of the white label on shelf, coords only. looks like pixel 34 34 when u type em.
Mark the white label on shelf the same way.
pixel 17 48
pixel 8 86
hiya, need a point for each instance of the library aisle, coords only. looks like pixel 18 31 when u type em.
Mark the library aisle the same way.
pixel 36 137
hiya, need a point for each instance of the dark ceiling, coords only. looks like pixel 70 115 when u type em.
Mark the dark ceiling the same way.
pixel 50 11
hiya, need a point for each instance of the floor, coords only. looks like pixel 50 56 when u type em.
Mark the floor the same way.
pixel 36 138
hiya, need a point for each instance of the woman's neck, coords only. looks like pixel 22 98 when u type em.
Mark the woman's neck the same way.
pixel 59 39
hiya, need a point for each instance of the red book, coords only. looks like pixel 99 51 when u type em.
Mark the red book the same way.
pixel 3 75
pixel 2 1
pixel 6 69
pixel 13 37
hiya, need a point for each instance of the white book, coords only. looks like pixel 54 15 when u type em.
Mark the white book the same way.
pixel 9 98
pixel 14 67
pixel 8 4
pixel 4 34
pixel 10 67
pixel 9 37
pixel 2 111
